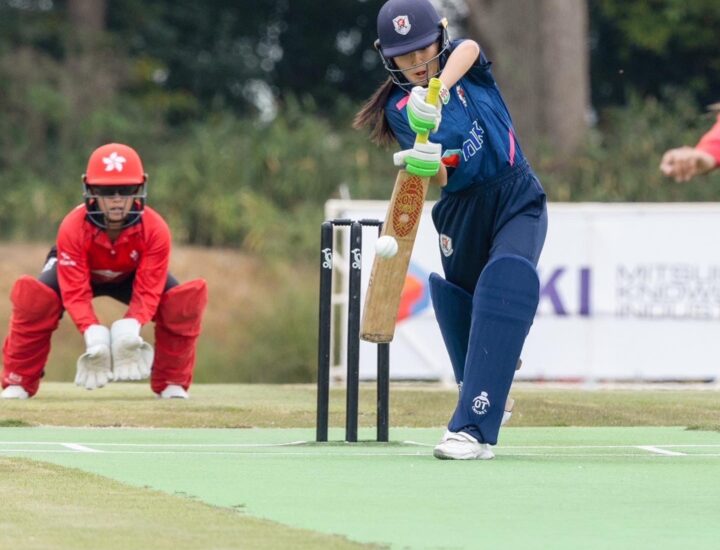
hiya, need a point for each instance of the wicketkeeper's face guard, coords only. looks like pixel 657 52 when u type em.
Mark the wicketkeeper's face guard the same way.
pixel 100 198
pixel 115 187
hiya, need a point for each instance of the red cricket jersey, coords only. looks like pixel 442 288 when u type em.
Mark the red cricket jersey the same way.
pixel 85 253
pixel 710 142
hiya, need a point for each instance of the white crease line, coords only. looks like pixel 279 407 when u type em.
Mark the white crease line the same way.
pixel 80 448
pixel 220 453
pixel 511 447
pixel 350 453
pixel 229 445
pixel 659 451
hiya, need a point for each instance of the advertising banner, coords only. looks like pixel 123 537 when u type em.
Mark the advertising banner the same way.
pixel 628 292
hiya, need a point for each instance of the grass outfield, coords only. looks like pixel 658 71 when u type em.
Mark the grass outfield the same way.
pixel 293 406
pixel 235 467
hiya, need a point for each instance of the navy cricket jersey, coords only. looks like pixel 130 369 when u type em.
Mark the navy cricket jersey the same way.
pixel 476 132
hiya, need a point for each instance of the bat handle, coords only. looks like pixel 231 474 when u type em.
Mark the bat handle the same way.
pixel 431 98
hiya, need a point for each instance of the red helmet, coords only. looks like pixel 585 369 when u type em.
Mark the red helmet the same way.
pixel 114 164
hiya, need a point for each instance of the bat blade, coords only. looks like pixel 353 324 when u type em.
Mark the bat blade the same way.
pixel 387 278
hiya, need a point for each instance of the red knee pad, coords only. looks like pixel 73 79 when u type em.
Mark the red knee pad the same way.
pixel 177 327
pixel 35 315
pixel 34 301
pixel 181 308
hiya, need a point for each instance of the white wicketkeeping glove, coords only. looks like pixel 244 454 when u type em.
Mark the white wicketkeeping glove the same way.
pixel 132 356
pixel 94 367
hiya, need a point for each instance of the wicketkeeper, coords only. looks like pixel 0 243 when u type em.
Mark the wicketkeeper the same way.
pixel 112 245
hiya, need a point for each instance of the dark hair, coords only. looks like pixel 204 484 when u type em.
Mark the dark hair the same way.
pixel 372 115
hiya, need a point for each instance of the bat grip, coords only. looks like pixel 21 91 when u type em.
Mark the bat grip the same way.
pixel 431 98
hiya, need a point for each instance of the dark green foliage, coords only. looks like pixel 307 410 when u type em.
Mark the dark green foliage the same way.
pixel 621 158
pixel 642 47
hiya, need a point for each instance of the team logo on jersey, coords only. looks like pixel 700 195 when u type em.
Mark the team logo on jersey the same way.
pixel 402 24
pixel 474 143
pixel 461 94
pixel 446 245
pixel 481 404
pixel 114 162
pixel 66 260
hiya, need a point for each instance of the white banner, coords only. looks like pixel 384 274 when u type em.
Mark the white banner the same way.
pixel 628 292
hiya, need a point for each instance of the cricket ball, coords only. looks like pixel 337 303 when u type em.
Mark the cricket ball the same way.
pixel 386 246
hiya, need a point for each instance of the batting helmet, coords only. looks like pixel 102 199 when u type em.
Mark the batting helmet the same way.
pixel 404 26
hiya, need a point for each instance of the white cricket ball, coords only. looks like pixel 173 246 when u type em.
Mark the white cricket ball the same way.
pixel 386 246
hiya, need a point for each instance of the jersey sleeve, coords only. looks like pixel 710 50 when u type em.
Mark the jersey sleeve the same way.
pixel 152 271
pixel 710 142
pixel 395 112
pixel 74 273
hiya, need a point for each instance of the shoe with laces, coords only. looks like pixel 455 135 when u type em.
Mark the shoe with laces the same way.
pixel 462 446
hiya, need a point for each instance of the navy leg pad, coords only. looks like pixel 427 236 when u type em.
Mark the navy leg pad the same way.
pixel 504 304
pixel 453 311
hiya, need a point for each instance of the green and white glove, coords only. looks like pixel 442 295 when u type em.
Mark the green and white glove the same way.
pixel 422 160
pixel 423 117
pixel 94 366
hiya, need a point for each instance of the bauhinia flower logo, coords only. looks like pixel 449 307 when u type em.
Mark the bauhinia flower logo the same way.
pixel 114 162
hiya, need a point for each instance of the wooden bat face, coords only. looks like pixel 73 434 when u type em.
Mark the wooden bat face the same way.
pixel 387 277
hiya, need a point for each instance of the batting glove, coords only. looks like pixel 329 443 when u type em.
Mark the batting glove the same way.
pixel 422 160
pixel 423 117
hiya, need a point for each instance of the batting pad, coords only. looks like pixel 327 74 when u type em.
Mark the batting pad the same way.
pixel 503 307
pixel 453 311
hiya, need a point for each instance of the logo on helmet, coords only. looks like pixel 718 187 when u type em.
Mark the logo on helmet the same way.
pixel 114 162
pixel 402 24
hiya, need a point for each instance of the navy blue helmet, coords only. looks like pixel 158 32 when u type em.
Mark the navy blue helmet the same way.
pixel 404 26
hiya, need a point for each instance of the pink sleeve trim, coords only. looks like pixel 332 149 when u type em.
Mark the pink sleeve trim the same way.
pixel 400 104
pixel 511 154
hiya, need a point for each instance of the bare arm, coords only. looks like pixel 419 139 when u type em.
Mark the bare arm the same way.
pixel 459 62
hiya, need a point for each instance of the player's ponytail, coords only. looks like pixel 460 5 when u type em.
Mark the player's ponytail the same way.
pixel 372 115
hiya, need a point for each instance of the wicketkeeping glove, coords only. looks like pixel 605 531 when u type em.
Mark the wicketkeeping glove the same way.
pixel 423 117
pixel 422 160
pixel 94 367
pixel 132 356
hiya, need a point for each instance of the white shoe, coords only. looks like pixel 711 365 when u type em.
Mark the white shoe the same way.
pixel 14 392
pixel 174 391
pixel 462 446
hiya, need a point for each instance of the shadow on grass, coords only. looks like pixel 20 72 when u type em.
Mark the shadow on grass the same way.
pixel 14 423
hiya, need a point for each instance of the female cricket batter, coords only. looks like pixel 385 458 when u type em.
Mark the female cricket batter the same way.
pixel 491 218
pixel 684 163
pixel 112 245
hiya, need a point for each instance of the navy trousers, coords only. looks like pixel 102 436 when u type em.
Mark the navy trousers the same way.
pixel 503 223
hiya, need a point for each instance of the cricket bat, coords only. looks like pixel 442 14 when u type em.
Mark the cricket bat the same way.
pixel 387 278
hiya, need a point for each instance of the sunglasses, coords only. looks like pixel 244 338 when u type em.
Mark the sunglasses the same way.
pixel 112 190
